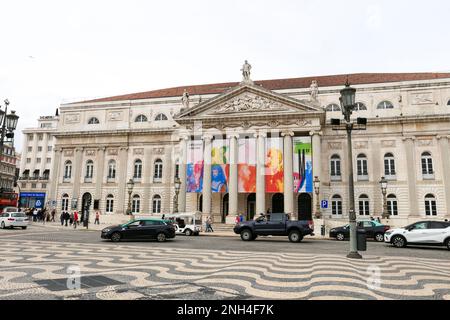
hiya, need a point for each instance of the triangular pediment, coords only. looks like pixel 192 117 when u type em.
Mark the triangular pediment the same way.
pixel 248 100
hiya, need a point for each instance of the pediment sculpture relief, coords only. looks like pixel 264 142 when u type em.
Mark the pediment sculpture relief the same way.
pixel 249 103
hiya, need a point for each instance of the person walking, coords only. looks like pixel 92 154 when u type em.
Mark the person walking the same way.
pixel 53 215
pixel 66 218
pixel 97 217
pixel 62 217
pixel 210 224
pixel 71 218
pixel 35 214
pixel 75 219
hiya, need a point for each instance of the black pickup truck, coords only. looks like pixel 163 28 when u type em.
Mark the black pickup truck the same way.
pixel 275 224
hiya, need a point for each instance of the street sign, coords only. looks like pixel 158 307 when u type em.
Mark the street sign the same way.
pixel 324 204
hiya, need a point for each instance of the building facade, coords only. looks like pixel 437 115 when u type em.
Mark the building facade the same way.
pixel 7 167
pixel 252 147
pixel 36 163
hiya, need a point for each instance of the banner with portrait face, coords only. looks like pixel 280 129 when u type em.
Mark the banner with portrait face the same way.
pixel 274 165
pixel 247 165
pixel 194 166
pixel 303 175
pixel 220 168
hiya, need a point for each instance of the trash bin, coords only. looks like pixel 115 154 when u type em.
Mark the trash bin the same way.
pixel 322 230
pixel 361 240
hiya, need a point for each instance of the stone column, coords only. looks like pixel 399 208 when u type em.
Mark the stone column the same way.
pixel 182 173
pixel 23 161
pixel 207 175
pixel 445 156
pixel 316 165
pixel 288 173
pixel 54 174
pixel 260 173
pixel 122 167
pixel 35 153
pixel 99 172
pixel 76 174
pixel 43 155
pixel 412 176
pixel 233 183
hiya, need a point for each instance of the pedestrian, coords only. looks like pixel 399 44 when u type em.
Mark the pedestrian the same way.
pixel 66 217
pixel 97 217
pixel 35 214
pixel 53 215
pixel 241 218
pixel 71 218
pixel 75 219
pixel 372 219
pixel 378 219
pixel 210 224
pixel 163 216
pixel 62 217
pixel 238 219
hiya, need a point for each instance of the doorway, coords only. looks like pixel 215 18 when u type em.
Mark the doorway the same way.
pixel 278 203
pixel 86 201
pixel 200 203
pixel 225 207
pixel 251 206
pixel 304 202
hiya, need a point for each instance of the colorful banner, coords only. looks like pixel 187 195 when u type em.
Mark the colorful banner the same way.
pixel 303 175
pixel 220 168
pixel 274 165
pixel 247 165
pixel 194 166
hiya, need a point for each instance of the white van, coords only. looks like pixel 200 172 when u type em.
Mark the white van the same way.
pixel 188 223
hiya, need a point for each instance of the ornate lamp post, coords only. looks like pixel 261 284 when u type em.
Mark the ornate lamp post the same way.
pixel 347 100
pixel 130 186
pixel 383 184
pixel 8 123
pixel 316 190
pixel 177 183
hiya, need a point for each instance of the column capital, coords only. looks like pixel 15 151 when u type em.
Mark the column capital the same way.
pixel 315 132
pixel 412 138
pixel 79 149
pixel 233 135
pixel 287 133
pixel 58 149
pixel 439 137
pixel 262 134
pixel 123 148
pixel 207 137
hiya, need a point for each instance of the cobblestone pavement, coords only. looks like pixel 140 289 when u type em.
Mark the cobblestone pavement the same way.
pixel 146 271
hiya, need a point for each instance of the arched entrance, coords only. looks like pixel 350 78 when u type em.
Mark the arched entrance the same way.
pixel 225 207
pixel 200 203
pixel 86 201
pixel 278 203
pixel 251 206
pixel 304 206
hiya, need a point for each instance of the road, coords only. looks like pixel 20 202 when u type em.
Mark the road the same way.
pixel 37 263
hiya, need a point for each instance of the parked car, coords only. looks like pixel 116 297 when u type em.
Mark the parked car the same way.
pixel 436 233
pixel 374 230
pixel 13 219
pixel 186 223
pixel 140 229
pixel 10 209
pixel 275 224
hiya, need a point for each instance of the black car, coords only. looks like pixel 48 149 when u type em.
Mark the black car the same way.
pixel 275 224
pixel 140 229
pixel 373 229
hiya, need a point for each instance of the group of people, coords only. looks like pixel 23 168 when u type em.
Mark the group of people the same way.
pixel 74 218
pixel 39 215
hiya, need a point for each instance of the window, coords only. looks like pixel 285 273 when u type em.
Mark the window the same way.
pixel 427 165
pixel 360 106
pixel 23 185
pixel 156 208
pixel 28 160
pixel 68 170
pixel 49 160
pixel 333 107
pixel 141 118
pixel 389 165
pixel 39 149
pixel 93 120
pixel 30 149
pixel 136 204
pixel 158 169
pixel 392 206
pixel 36 174
pixel 363 205
pixel 448 102
pixel 89 169
pixel 44 185
pixel 430 205
pixel 40 136
pixel 335 167
pixel 439 225
pixel 30 137
pixel 111 169
pixel 33 186
pixel 336 205
pixel 161 117
pixel 65 202
pixel 137 169
pixel 49 148
pixel 385 105
pixel 361 164
pixel 109 203
pixel 38 160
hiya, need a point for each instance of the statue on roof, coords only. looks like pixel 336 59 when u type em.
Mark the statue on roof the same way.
pixel 314 90
pixel 246 68
pixel 185 99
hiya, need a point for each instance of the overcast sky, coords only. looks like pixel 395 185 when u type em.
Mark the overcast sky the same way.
pixel 64 51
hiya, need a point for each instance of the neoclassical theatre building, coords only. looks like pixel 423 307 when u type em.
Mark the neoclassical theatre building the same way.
pixel 255 146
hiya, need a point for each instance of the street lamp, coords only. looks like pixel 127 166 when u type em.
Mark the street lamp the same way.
pixel 347 100
pixel 130 186
pixel 383 185
pixel 316 190
pixel 177 183
pixel 8 123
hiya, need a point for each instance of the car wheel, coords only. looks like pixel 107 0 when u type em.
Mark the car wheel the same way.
pixel 115 237
pixel 447 244
pixel 3 225
pixel 23 228
pixel 379 237
pixel 246 235
pixel 188 232
pixel 161 237
pixel 340 236
pixel 398 241
pixel 295 236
